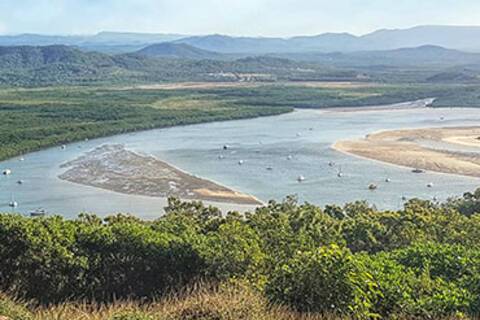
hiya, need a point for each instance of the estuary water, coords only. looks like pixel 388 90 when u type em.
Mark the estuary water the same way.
pixel 275 151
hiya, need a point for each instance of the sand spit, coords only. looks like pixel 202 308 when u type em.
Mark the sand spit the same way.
pixel 446 150
pixel 112 167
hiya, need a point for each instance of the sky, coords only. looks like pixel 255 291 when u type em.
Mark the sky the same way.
pixel 232 17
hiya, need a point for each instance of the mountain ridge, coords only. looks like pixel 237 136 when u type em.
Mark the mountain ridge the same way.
pixel 452 37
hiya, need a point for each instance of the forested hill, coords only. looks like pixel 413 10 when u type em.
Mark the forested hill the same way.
pixel 32 66
pixel 58 64
pixel 43 65
pixel 38 56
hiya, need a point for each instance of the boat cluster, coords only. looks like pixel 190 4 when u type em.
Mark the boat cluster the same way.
pixel 340 174
pixel 14 203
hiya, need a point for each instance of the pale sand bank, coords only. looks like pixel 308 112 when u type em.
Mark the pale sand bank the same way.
pixel 410 148
pixel 410 105
pixel 114 168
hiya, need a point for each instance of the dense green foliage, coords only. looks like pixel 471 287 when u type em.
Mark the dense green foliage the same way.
pixel 38 118
pixel 34 119
pixel 423 260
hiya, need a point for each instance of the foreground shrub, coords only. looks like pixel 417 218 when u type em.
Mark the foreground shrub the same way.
pixel 422 261
pixel 403 291
pixel 234 250
pixel 327 280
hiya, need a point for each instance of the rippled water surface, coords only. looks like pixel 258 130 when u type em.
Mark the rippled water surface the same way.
pixel 291 145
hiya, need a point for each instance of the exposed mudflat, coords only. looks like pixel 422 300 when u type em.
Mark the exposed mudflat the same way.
pixel 446 150
pixel 112 167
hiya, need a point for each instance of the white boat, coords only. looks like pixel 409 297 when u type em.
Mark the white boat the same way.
pixel 13 203
pixel 372 186
pixel 38 213
pixel 7 172
pixel 340 173
pixel 430 185
pixel 289 157
pixel 240 162
pixel 301 178
pixel 388 180
pixel 64 147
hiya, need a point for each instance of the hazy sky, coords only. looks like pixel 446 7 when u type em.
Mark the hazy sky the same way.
pixel 235 17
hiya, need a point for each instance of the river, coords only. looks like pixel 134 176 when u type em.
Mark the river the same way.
pixel 290 145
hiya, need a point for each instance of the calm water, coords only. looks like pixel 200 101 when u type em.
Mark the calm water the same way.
pixel 292 145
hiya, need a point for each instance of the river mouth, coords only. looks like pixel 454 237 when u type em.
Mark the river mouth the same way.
pixel 275 152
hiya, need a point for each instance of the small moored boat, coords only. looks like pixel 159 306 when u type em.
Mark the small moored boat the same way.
pixel 38 213
pixel 416 170
pixel 13 203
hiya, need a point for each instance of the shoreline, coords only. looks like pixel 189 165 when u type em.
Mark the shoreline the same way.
pixel 401 106
pixel 406 148
pixel 114 168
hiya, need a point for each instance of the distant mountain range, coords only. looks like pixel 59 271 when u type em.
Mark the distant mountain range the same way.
pixel 427 55
pixel 459 38
pixel 177 51
pixel 107 42
pixel 453 37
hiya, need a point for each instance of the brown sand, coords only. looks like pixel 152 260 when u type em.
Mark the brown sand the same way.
pixel 114 168
pixel 410 148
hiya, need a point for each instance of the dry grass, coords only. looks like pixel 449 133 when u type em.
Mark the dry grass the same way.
pixel 226 303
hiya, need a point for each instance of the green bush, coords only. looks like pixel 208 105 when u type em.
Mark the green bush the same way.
pixel 421 261
pixel 234 250
pixel 327 280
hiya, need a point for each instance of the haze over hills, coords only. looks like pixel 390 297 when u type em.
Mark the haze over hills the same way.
pixel 169 57
pixel 415 56
pixel 108 42
pixel 178 51
pixel 452 37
